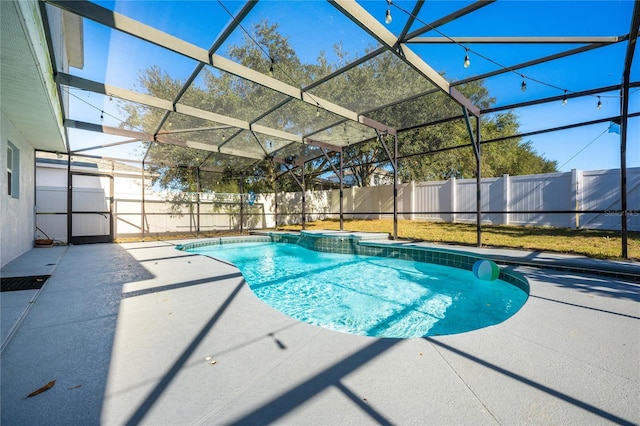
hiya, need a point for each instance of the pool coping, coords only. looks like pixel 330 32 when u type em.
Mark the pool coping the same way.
pixel 620 269
pixel 368 244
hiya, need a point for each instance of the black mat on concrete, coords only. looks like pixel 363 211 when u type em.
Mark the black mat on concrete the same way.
pixel 23 283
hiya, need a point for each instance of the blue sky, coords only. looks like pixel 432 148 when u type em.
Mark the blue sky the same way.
pixel 314 25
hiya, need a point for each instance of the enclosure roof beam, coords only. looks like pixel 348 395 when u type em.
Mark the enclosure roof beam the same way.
pixel 214 47
pixel 98 128
pixel 556 98
pixel 451 17
pixel 516 40
pixel 152 101
pixel 108 145
pixel 231 27
pixel 147 33
pixel 521 105
pixel 81 125
pixel 101 157
pixel 412 18
pixel 195 129
pixel 361 17
pixel 323 145
pixel 559 128
pixel 500 71
pixel 531 63
pixel 633 37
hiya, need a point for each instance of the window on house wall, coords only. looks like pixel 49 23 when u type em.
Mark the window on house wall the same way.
pixel 13 164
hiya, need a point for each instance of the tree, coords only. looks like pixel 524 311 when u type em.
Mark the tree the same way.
pixel 511 156
pixel 385 79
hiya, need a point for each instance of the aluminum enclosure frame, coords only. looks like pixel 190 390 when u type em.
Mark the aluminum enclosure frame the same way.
pixel 400 46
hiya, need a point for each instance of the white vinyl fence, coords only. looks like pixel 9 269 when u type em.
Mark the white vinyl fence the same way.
pixel 533 200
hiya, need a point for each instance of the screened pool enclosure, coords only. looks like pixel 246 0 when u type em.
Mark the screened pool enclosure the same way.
pixel 272 96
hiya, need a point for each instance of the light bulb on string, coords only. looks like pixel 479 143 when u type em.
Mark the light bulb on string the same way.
pixel 101 115
pixel 271 67
pixel 523 86
pixel 599 103
pixel 110 99
pixel 388 18
pixel 564 98
pixel 467 62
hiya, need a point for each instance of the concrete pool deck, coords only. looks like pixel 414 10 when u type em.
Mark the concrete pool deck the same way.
pixel 141 333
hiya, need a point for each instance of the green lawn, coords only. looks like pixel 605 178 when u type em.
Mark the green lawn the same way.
pixel 596 244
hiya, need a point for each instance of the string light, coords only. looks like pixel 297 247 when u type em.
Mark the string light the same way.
pixel 599 103
pixel 101 115
pixel 467 61
pixel 271 66
pixel 110 99
pixel 388 18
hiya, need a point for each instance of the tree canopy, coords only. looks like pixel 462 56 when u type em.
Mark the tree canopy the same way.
pixel 426 153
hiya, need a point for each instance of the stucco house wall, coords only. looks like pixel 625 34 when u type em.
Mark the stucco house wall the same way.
pixel 18 217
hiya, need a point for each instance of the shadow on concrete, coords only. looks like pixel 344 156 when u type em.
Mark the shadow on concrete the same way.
pixel 156 393
pixel 585 307
pixel 330 377
pixel 567 398
pixel 175 286
pixel 593 284
pixel 68 336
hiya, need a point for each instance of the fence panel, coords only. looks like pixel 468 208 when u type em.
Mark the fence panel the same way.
pixel 432 197
pixel 551 191
pixel 599 192
pixel 581 190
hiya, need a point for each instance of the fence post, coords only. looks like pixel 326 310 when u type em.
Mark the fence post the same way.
pixel 412 200
pixel 506 198
pixel 353 202
pixel 454 203
pixel 576 189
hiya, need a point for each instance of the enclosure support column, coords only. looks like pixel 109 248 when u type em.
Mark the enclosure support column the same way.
pixel 275 197
pixel 394 164
pixel 475 141
pixel 241 204
pixel 69 198
pixel 623 167
pixel 478 184
pixel 198 190
pixel 302 188
pixel 395 187
pixel 454 197
pixel 506 198
pixel 112 204
pixel 624 106
pixel 339 174
pixel 304 199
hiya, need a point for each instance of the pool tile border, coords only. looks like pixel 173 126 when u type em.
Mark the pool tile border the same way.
pixel 354 244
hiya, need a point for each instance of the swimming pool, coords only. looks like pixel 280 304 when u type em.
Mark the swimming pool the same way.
pixel 369 295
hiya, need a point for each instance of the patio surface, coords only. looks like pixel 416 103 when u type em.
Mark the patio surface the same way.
pixel 141 333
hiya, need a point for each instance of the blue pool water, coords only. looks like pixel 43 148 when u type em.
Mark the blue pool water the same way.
pixel 367 295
